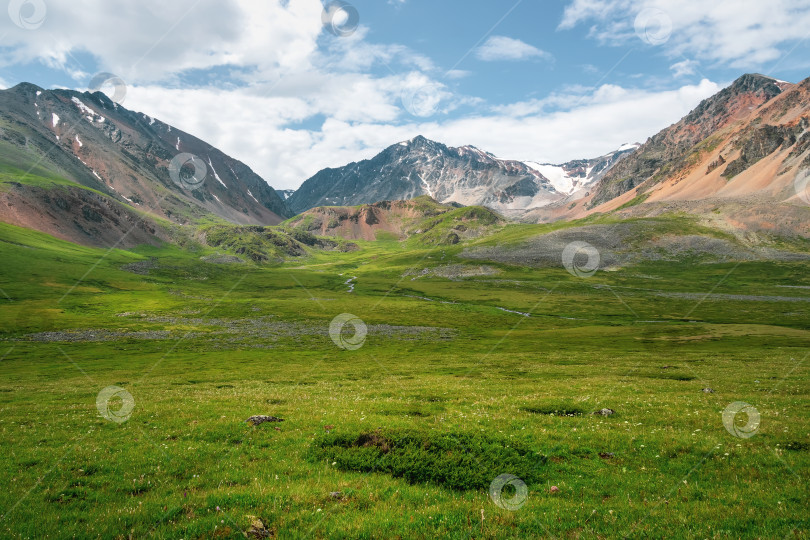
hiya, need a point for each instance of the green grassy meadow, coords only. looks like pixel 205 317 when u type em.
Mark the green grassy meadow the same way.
pixel 401 437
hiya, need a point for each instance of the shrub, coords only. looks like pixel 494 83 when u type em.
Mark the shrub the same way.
pixel 459 461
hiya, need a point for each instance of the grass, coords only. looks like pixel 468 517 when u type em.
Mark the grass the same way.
pixel 637 200
pixel 403 436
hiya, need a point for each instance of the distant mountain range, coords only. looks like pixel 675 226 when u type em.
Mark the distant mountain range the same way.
pixel 80 167
pixel 464 175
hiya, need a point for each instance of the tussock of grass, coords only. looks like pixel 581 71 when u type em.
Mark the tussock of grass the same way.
pixel 459 461
pixel 669 376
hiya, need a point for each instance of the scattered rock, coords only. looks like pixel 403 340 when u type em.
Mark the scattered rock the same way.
pixel 554 489
pixel 605 412
pixel 96 335
pixel 708 391
pixel 606 455
pixel 222 259
pixel 261 419
pixel 141 267
pixel 257 528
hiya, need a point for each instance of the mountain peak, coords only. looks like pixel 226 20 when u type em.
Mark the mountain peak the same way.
pixel 754 82
pixel 25 87
pixel 417 142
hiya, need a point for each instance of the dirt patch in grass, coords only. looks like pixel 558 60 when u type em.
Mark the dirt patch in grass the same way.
pixel 459 461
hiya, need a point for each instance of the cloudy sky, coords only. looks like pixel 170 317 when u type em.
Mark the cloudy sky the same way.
pixel 293 86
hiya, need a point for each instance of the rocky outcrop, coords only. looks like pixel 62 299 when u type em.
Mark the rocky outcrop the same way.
pixel 756 143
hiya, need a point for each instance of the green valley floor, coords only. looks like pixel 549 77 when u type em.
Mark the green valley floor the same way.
pixel 127 378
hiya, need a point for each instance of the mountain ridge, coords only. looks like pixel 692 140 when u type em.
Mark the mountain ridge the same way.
pixel 466 175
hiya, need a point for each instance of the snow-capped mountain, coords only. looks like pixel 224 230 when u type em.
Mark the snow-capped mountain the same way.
pixel 464 175
pixel 574 176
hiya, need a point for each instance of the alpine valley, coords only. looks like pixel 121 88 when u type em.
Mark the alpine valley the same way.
pixel 431 343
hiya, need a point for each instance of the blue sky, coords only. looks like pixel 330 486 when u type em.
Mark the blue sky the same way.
pixel 270 83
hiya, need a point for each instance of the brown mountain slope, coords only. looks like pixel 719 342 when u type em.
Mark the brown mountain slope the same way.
pixel 673 149
pixel 79 215
pixel 734 160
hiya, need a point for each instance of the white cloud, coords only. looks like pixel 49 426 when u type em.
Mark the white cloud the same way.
pixel 457 74
pixel 684 68
pixel 301 100
pixel 591 124
pixel 736 33
pixel 150 40
pixel 506 48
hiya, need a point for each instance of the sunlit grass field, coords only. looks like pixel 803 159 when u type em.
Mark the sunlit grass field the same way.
pixel 402 436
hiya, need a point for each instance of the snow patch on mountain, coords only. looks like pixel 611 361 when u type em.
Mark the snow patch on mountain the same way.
pixel 212 170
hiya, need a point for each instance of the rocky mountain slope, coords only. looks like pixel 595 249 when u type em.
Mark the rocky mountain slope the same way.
pixel 86 141
pixel 733 129
pixel 740 160
pixel 464 175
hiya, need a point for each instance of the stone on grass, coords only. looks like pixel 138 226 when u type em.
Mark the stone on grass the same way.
pixel 605 412
pixel 257 528
pixel 261 419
